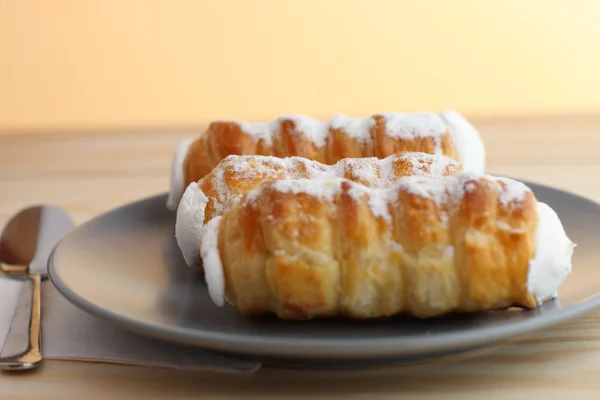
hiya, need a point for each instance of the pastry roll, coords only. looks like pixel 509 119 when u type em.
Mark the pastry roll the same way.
pixel 327 142
pixel 424 247
pixel 237 175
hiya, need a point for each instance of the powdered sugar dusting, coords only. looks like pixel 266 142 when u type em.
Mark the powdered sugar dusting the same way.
pixel 250 197
pixel 454 187
pixel 313 129
pixel 248 169
pixel 442 191
pixel 512 191
pixel 398 125
pixel 380 203
pixel 408 126
pixel 258 130
pixel 327 190
pixel 436 190
pixel 387 170
pixel 365 170
pixel 356 128
pixel 418 165
pixel 231 178
pixel 321 189
pixel 245 166
pixel 376 199
pixel 427 164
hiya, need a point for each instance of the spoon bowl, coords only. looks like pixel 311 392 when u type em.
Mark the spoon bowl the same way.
pixel 30 236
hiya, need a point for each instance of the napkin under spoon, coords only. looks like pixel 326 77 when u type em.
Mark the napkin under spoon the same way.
pixel 25 247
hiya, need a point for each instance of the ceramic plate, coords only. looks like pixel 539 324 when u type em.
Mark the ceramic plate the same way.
pixel 125 266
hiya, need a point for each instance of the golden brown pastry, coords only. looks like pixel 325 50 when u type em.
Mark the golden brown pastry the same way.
pixel 235 176
pixel 327 142
pixel 304 249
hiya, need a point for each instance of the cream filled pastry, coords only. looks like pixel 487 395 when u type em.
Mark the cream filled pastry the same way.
pixel 424 246
pixel 380 135
pixel 235 176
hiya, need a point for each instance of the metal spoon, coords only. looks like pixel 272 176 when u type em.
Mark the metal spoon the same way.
pixel 25 247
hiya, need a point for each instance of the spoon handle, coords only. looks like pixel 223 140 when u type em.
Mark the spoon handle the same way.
pixel 31 357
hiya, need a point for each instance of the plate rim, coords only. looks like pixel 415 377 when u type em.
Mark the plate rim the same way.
pixel 343 348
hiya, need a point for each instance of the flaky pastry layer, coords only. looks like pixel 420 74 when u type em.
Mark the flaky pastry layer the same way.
pixel 235 176
pixel 304 249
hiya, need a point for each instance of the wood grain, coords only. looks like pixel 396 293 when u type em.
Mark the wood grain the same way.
pixel 90 174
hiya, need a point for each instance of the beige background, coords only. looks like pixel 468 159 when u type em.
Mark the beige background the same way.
pixel 114 63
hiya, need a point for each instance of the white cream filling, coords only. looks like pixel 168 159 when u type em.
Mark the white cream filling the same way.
pixel 177 178
pixel 211 261
pixel 189 223
pixel 553 251
pixel 469 145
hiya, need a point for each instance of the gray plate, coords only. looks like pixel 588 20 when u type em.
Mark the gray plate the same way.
pixel 126 267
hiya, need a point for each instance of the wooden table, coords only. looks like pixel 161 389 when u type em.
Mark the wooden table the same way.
pixel 90 173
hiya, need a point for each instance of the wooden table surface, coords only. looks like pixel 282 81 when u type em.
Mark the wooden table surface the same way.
pixel 90 173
